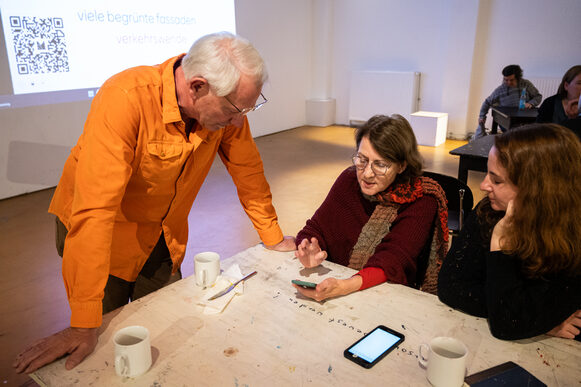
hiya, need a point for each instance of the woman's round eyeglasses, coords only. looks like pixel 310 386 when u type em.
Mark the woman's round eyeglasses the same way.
pixel 378 167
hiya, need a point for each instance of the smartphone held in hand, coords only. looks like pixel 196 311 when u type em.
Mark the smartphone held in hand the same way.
pixel 305 284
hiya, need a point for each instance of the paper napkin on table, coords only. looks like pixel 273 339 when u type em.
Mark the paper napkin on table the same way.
pixel 228 277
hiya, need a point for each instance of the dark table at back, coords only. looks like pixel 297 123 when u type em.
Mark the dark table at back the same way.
pixel 473 156
pixel 510 117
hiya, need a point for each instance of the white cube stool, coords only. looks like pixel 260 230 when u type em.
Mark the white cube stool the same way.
pixel 429 127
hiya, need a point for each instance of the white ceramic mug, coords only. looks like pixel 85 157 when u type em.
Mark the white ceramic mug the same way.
pixel 207 268
pixel 445 359
pixel 132 351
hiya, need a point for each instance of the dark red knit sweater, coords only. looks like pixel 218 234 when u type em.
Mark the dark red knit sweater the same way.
pixel 339 220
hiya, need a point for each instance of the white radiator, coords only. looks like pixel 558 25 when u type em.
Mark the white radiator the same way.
pixel 383 92
pixel 546 86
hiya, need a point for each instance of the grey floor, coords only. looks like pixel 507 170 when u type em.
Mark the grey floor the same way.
pixel 301 164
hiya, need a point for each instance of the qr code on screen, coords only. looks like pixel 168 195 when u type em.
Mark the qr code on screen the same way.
pixel 39 45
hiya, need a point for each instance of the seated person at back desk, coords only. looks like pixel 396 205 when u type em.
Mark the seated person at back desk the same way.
pixel 508 94
pixel 380 217
pixel 557 108
pixel 517 261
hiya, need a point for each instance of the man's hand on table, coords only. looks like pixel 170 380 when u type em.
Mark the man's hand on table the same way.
pixel 78 342
pixel 287 244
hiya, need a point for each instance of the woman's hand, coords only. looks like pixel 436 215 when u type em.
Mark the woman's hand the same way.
pixel 569 328
pixel 310 253
pixel 501 227
pixel 571 108
pixel 332 287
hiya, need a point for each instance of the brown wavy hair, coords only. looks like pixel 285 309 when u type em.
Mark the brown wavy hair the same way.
pixel 393 138
pixel 568 78
pixel 544 162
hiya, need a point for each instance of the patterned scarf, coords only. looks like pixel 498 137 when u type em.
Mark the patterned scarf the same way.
pixel 379 224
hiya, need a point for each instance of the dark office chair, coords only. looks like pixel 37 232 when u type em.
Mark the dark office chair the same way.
pixel 460 199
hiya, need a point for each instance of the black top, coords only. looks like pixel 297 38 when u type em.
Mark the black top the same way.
pixel 490 284
pixel 552 111
pixel 574 124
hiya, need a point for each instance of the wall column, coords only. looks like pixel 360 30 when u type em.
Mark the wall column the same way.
pixel 320 107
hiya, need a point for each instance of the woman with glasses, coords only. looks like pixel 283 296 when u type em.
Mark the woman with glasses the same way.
pixel 379 216
pixel 517 261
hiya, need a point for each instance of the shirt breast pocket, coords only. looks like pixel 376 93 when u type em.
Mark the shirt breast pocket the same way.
pixel 162 162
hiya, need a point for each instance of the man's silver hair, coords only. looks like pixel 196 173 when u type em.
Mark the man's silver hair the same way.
pixel 220 59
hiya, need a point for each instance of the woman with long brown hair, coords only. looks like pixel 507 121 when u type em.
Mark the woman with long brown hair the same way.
pixel 563 105
pixel 518 259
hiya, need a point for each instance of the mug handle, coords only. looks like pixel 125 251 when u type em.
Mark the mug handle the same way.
pixel 204 277
pixel 423 359
pixel 122 364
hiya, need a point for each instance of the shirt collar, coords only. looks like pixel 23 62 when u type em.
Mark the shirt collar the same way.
pixel 170 108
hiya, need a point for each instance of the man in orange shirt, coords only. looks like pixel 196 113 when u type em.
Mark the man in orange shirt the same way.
pixel 128 186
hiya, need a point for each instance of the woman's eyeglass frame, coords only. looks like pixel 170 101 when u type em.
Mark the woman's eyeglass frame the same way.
pixel 378 167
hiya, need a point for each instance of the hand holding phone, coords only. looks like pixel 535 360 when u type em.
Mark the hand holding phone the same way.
pixel 374 346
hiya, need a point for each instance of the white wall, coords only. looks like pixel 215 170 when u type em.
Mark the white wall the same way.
pixel 34 144
pixel 35 141
pixel 281 31
pixel 435 38
pixel 459 46
pixel 543 37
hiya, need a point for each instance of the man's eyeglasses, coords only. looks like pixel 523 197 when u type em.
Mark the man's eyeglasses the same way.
pixel 378 167
pixel 250 109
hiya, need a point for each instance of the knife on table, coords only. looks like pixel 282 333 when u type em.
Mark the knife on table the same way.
pixel 229 288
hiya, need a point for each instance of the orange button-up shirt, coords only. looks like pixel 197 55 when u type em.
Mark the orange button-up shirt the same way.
pixel 135 173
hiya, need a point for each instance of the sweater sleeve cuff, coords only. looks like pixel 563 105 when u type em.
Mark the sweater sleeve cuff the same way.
pixel 271 236
pixel 86 314
pixel 371 276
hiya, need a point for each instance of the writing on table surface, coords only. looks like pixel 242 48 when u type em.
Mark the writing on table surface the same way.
pixel 338 321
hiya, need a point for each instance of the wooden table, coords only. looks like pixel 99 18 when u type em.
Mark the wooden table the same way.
pixel 473 156
pixel 510 117
pixel 271 336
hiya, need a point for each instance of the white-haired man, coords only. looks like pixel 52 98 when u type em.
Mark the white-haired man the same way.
pixel 127 188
